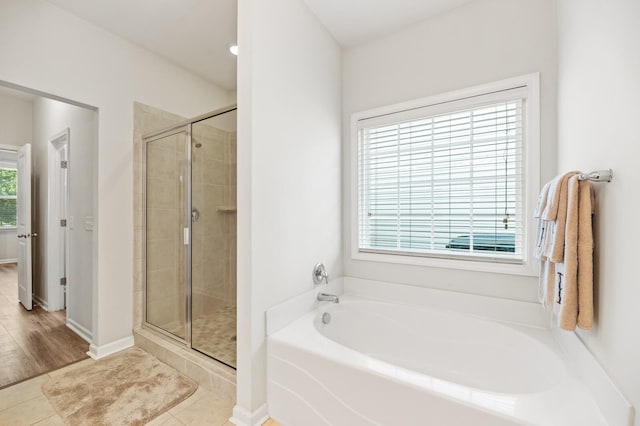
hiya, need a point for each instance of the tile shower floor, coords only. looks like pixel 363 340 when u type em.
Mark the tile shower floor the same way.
pixel 213 333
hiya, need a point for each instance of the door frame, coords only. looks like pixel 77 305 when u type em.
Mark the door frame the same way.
pixel 12 148
pixel 147 139
pixel 56 241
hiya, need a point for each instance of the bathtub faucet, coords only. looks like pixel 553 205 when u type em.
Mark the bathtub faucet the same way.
pixel 326 297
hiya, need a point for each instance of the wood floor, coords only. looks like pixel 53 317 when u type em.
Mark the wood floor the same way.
pixel 32 342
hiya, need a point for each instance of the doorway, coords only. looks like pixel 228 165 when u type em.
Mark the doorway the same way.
pixel 32 342
pixel 58 208
pixel 42 326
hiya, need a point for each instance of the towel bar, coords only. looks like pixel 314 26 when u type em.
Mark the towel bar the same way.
pixel 597 176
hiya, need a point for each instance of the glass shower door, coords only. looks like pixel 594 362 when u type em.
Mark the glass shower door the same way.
pixel 166 189
pixel 213 255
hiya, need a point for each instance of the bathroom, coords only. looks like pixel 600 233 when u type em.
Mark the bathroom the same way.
pixel 573 47
pixel 302 73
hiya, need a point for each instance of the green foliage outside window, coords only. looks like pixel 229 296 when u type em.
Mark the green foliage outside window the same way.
pixel 8 192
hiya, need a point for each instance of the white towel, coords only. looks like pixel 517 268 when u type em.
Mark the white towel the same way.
pixel 553 197
pixel 551 203
pixel 541 234
pixel 542 200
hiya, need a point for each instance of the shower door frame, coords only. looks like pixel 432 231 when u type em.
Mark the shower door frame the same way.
pixel 146 139
pixel 186 127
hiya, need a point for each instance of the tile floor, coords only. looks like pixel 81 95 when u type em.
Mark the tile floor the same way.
pixel 25 404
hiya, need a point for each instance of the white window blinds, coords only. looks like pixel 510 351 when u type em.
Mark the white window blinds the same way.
pixel 444 184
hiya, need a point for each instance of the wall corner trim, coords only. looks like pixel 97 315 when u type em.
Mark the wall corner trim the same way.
pixel 243 417
pixel 79 330
pixel 98 352
pixel 41 302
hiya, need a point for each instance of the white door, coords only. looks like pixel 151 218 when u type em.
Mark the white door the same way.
pixel 24 226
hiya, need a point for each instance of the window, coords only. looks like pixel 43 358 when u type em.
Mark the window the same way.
pixel 8 198
pixel 445 178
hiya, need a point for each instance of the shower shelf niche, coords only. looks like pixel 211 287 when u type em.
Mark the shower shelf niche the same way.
pixel 226 209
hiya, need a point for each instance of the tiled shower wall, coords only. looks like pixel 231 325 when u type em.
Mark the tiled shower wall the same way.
pixel 166 163
pixel 214 234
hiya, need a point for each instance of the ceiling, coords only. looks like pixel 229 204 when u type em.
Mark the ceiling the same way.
pixel 196 34
pixel 353 22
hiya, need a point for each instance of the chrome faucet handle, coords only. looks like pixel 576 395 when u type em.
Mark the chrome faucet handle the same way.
pixel 320 273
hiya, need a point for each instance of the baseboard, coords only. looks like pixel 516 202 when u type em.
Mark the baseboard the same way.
pixel 3 261
pixel 97 352
pixel 243 417
pixel 79 330
pixel 41 302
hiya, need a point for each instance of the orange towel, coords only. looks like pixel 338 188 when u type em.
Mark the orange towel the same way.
pixel 552 205
pixel 567 271
pixel 565 248
pixel 574 275
pixel 585 255
pixel 556 252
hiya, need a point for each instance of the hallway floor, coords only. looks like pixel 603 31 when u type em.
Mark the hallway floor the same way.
pixel 32 342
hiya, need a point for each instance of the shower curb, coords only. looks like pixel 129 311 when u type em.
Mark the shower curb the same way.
pixel 208 373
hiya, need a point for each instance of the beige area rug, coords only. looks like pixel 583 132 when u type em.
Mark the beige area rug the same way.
pixel 128 388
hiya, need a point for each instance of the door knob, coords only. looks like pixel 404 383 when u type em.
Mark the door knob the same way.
pixel 22 236
pixel 33 235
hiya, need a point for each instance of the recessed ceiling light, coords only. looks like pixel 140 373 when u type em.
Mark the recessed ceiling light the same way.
pixel 234 49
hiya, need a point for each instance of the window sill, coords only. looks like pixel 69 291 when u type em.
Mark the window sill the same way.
pixel 8 228
pixel 523 269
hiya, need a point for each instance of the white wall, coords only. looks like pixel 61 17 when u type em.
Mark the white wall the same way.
pixel 288 169
pixel 50 50
pixel 8 246
pixel 50 118
pixel 15 130
pixel 598 110
pixel 480 42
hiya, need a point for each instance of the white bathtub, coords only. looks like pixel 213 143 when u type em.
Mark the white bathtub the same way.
pixel 378 363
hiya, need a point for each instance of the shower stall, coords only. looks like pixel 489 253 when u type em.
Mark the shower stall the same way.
pixel 189 204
